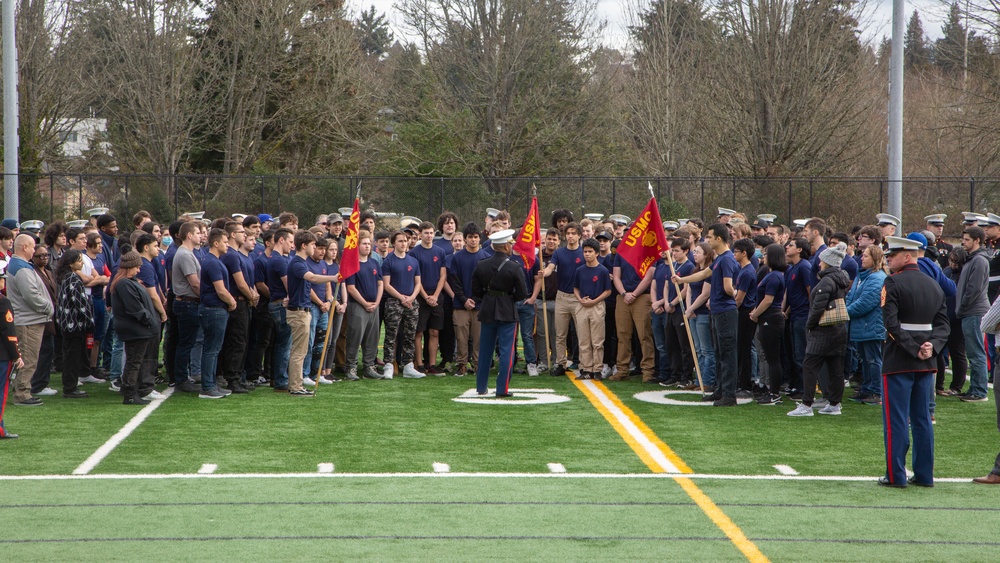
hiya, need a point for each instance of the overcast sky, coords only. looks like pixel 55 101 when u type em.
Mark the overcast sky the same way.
pixel 932 14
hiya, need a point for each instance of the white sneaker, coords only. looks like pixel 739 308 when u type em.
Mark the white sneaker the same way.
pixel 605 371
pixel 830 409
pixel 820 404
pixel 45 392
pixel 115 386
pixel 411 372
pixel 801 410
pixel 308 382
pixel 387 371
pixel 532 370
pixel 154 395
pixel 261 380
pixel 614 370
pixel 90 379
pixel 324 381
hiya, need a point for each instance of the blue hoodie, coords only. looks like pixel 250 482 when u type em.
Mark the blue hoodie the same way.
pixel 864 305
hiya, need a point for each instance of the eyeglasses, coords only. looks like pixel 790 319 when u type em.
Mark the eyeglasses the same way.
pixel 45 256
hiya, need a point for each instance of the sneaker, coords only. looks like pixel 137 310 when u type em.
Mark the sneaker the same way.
pixel 308 382
pixel 47 392
pixel 605 371
pixel 352 374
pixel 560 371
pixel 830 409
pixel 387 371
pixel 795 394
pixel 90 379
pixel 215 393
pixel 370 373
pixel 324 380
pixel 532 370
pixel 820 404
pixel 301 393
pixel 769 400
pixel 583 375
pixel 874 400
pixel 225 392
pixel 135 402
pixel 30 402
pixel 78 394
pixel 725 402
pixel 411 372
pixel 188 387
pixel 744 394
pixel 115 385
pixel 435 371
pixel 461 371
pixel 238 388
pixel 976 399
pixel 801 410
pixel 517 369
pixel 154 395
pixel 858 397
pixel 261 380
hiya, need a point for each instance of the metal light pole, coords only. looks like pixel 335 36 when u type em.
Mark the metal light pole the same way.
pixel 10 117
pixel 896 113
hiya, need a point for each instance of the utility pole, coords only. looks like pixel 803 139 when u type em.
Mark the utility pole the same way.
pixel 896 113
pixel 11 143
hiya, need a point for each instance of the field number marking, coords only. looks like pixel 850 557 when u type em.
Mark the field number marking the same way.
pixel 441 467
pixel 521 397
pixel 786 470
pixel 663 398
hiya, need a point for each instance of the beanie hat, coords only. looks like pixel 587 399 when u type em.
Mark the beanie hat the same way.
pixel 131 259
pixel 834 256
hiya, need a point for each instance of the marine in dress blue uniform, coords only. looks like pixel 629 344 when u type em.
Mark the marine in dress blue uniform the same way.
pixel 916 322
pixel 498 283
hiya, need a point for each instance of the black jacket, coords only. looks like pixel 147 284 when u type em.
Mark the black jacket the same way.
pixel 826 340
pixel 135 317
pixel 910 296
pixel 498 283
pixel 8 348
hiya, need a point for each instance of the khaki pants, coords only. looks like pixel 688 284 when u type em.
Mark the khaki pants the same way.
pixel 29 341
pixel 566 307
pixel 590 332
pixel 637 316
pixel 298 322
pixel 466 324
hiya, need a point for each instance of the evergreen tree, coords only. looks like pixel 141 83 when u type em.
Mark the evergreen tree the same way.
pixel 915 51
pixel 949 50
pixel 373 29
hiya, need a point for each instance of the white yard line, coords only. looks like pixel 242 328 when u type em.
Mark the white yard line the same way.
pixel 324 468
pixel 706 476
pixel 786 470
pixel 112 443
pixel 557 468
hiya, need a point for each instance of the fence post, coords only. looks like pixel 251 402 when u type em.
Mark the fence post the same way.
pixel 658 188
pixel 52 200
pixel 881 186
pixel 810 198
pixel 734 193
pixel 583 193
pixel 614 195
pixel 261 195
pixel 177 201
pixel 80 180
pixel 972 194
pixel 702 199
pixel 127 213
pixel 790 191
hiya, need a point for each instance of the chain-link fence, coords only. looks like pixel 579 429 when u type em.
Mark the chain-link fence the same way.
pixel 844 202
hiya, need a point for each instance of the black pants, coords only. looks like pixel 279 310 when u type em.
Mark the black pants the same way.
pixel 76 359
pixel 446 340
pixel 234 345
pixel 771 325
pixel 260 357
pixel 959 363
pixel 744 346
pixel 136 382
pixel 170 338
pixel 43 372
pixel 678 347
pixel 610 331
pixel 811 367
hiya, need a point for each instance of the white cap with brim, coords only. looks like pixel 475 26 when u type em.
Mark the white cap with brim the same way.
pixel 78 224
pixel 767 217
pixel 683 222
pixel 505 236
pixel 33 225
pixel 896 244
pixel 886 219
pixel 345 211
pixel 619 219
pixel 936 219
pixel 97 211
pixel 196 214
pixel 671 225
pixel 972 217
pixel 724 211
pixel 991 219
pixel 800 222
pixel 594 216
pixel 239 216
pixel 492 212
pixel 409 221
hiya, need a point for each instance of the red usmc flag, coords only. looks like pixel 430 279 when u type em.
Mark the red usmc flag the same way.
pixel 529 238
pixel 350 262
pixel 645 239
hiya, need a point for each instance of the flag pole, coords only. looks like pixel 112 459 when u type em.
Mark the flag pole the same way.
pixel 687 326
pixel 326 338
pixel 545 311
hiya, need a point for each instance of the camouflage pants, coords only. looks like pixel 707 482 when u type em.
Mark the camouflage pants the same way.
pixel 401 322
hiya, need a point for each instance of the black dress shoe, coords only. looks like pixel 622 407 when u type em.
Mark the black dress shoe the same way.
pixel 76 394
pixel 913 481
pixel 504 395
pixel 9 436
pixel 884 481
pixel 559 371
pixel 725 402
pixel 135 401
pixel 711 398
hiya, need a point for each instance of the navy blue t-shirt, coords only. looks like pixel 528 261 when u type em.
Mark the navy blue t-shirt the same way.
pixel 168 262
pixel 298 287
pixel 695 289
pixel 431 261
pixel 746 281
pixel 592 282
pixel 147 274
pixel 402 272
pixel 661 278
pixel 445 245
pixel 320 268
pixel 724 266
pixel 212 270
pixel 773 284
pixel 366 280
pixel 629 276
pixel 797 281
pixel 249 269
pixel 683 270
pixel 260 267
pixel 160 265
pixel 529 275
pixel 850 266
pixel 100 267
pixel 277 268
pixel 463 264
pixel 233 261
pixel 814 265
pixel 567 261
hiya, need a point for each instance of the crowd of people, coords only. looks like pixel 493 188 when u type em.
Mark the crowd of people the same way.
pixel 739 309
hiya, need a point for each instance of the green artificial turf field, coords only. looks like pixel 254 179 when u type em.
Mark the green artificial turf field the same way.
pixel 499 491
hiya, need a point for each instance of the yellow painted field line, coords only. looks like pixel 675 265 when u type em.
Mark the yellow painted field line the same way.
pixel 658 456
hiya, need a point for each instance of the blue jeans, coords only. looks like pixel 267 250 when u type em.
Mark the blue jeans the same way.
pixel 724 326
pixel 197 350
pixel 526 320
pixel 660 342
pixel 188 323
pixel 798 328
pixel 702 334
pixel 282 345
pixel 318 321
pixel 117 355
pixel 976 354
pixel 213 324
pixel 870 358
pixel 491 336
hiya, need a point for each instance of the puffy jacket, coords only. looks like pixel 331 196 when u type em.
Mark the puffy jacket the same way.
pixel 864 306
pixel 826 340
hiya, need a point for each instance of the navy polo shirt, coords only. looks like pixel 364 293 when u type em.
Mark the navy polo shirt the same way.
pixel 212 270
pixel 773 284
pixel 402 272
pixel 298 287
pixel 592 282
pixel 797 282
pixel 724 266
pixel 746 281
pixel 567 261
pixel 431 261
pixel 814 269
pixel 366 280
pixel 277 267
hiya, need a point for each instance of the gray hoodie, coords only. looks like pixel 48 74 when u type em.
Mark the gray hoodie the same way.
pixel 971 299
pixel 28 297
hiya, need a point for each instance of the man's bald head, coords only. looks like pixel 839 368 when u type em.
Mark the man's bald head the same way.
pixel 24 246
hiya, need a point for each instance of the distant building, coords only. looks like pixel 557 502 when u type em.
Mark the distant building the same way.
pixel 76 135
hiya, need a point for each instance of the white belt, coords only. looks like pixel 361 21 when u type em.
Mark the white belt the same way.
pixel 916 327
pixel 994 278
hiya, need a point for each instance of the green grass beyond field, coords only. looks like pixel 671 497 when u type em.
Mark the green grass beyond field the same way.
pixel 419 476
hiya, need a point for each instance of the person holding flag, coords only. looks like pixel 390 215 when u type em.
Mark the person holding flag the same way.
pixel 528 243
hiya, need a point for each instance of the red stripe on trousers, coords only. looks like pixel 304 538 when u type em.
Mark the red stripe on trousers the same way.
pixel 510 368
pixel 888 427
pixel 6 389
